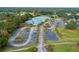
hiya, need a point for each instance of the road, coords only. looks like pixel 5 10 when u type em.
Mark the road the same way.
pixel 13 38
pixel 53 25
pixel 57 21
pixel 41 47
pixel 61 43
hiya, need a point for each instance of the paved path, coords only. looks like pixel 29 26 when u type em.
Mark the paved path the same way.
pixel 12 39
pixel 65 43
pixel 41 47
pixel 19 49
pixel 54 24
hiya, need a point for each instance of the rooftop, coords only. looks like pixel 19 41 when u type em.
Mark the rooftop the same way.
pixel 37 20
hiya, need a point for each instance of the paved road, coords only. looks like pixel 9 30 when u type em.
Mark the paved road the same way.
pixel 54 24
pixel 15 34
pixel 12 39
pixel 41 47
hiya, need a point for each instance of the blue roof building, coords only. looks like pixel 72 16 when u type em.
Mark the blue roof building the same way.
pixel 37 20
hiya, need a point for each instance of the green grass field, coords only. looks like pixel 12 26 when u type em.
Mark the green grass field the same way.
pixel 63 47
pixel 9 49
pixel 68 35
pixel 66 48
pixel 31 49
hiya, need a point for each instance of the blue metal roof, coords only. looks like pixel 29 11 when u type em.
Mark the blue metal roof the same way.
pixel 37 20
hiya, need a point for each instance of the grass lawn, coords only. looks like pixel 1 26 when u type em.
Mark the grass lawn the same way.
pixel 62 47
pixel 31 49
pixel 68 35
pixel 8 49
pixel 66 48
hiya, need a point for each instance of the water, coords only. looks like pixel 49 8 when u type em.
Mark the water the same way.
pixel 51 35
pixel 30 34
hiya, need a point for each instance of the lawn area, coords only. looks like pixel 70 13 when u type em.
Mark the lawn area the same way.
pixel 54 47
pixel 31 49
pixel 68 35
pixel 9 48
pixel 66 48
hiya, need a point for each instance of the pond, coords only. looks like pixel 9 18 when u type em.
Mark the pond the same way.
pixel 51 35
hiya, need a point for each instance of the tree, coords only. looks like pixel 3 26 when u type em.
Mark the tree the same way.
pixel 3 42
pixel 71 25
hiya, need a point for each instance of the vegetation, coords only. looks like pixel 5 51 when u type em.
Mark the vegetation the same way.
pixel 66 48
pixel 68 35
pixel 11 23
pixel 14 18
pixel 31 49
pixel 55 47
pixel 71 25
